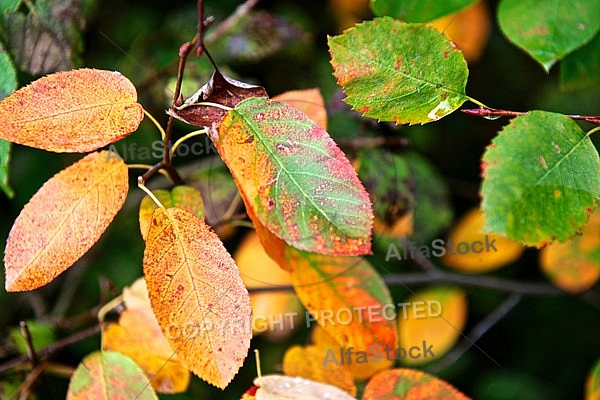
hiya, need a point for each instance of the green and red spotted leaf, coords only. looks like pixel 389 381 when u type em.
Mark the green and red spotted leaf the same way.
pixel 538 191
pixel 393 71
pixel 417 10
pixel 549 30
pixel 592 384
pixel 294 178
pixel 111 376
pixel 409 384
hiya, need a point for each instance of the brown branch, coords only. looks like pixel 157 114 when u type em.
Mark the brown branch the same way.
pixel 53 348
pixel 495 113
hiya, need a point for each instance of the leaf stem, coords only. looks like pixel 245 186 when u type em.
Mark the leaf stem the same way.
pixel 155 122
pixel 487 112
pixel 186 137
pixel 149 193
pixel 480 104
pixel 596 129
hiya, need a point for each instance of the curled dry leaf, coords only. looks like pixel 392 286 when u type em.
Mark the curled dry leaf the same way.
pixel 197 295
pixel 63 220
pixel 72 111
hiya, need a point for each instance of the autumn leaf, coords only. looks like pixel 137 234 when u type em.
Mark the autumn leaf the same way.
pixel 220 89
pixel 307 362
pixel 294 178
pixel 138 336
pixel 109 375
pixel 574 266
pixel 592 383
pixel 309 101
pixel 483 252
pixel 346 297
pixel 63 220
pixel 184 197
pixel 279 387
pixel 274 314
pixel 72 111
pixel 436 317
pixel 409 384
pixel 197 295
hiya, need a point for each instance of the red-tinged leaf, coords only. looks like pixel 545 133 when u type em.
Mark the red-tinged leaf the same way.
pixel 348 299
pixel 197 295
pixel 409 384
pixel 294 178
pixel 109 375
pixel 220 89
pixel 63 220
pixel 72 111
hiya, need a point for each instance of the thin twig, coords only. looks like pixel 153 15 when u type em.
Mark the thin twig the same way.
pixel 476 333
pixel 496 113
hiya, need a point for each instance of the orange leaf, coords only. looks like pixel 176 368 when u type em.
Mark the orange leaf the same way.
pixel 469 249
pixel 347 297
pixel 574 266
pixel 307 362
pixel 309 101
pixel 409 384
pixel 469 29
pixel 274 314
pixel 72 111
pixel 197 295
pixel 63 220
pixel 433 319
pixel 138 336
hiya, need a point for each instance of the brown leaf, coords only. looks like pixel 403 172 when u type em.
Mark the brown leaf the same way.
pixel 220 89
pixel 197 295
pixel 63 220
pixel 72 111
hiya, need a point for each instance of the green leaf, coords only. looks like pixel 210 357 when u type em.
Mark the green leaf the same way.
pixel 549 30
pixel 109 375
pixel 294 178
pixel 42 335
pixel 387 179
pixel 581 69
pixel 541 179
pixel 417 10
pixel 592 386
pixel 7 6
pixel 433 211
pixel 392 71
pixel 8 84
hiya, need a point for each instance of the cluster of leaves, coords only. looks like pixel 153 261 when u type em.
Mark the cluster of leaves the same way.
pixel 308 206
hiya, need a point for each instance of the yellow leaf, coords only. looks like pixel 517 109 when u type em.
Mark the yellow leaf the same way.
pixel 197 295
pixel 309 101
pixel 275 314
pixel 431 319
pixel 409 384
pixel 307 362
pixel 72 111
pixel 63 220
pixel 347 297
pixel 138 336
pixel 469 249
pixel 185 197
pixel 574 266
